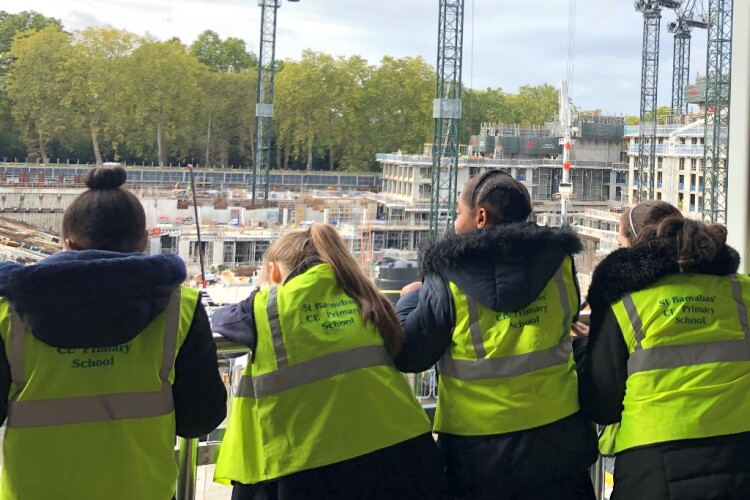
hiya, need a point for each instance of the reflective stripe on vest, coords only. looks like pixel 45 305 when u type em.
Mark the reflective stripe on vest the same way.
pixel 320 390
pixel 689 361
pixel 674 356
pixel 323 367
pixel 105 407
pixel 509 371
pixel 514 365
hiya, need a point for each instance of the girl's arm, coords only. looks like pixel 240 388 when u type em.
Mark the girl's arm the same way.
pixel 428 318
pixel 237 322
pixel 602 364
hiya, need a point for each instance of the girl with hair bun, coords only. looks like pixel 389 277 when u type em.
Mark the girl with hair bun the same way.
pixel 495 312
pixel 105 358
pixel 666 364
pixel 320 411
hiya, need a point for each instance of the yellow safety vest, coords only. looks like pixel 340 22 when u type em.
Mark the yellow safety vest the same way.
pixel 507 372
pixel 93 423
pixel 689 364
pixel 321 390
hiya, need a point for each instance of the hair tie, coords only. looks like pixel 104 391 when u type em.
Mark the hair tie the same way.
pixel 630 217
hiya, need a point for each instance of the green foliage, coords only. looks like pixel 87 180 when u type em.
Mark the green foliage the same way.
pixel 38 86
pixel 102 94
pixel 12 24
pixel 222 56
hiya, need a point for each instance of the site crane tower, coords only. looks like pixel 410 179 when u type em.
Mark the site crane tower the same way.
pixel 447 115
pixel 264 102
pixel 681 29
pixel 718 86
pixel 645 171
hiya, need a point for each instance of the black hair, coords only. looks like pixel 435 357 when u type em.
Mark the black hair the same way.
pixel 106 216
pixel 646 213
pixel 697 243
pixel 502 196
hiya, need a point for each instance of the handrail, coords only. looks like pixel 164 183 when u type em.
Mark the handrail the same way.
pixel 191 453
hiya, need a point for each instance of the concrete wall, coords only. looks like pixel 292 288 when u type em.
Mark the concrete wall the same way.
pixel 596 150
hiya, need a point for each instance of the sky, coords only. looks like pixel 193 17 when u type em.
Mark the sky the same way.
pixel 507 43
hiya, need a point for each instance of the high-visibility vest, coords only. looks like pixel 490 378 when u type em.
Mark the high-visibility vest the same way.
pixel 91 423
pixel 510 371
pixel 322 388
pixel 689 364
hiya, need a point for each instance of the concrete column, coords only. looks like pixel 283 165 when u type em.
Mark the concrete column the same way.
pixel 218 254
pixel 183 249
pixel 154 246
pixel 738 216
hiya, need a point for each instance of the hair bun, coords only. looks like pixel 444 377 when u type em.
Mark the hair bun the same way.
pixel 106 178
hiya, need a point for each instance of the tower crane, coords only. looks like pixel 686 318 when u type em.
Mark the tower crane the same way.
pixel 264 102
pixel 681 29
pixel 447 114
pixel 718 86
pixel 645 172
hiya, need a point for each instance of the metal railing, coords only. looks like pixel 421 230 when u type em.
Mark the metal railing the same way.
pixel 191 453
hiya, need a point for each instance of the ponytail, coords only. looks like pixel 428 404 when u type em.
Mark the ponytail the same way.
pixel 322 242
pixel 374 306
pixel 697 243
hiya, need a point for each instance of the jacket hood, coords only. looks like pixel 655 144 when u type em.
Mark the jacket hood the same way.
pixel 90 298
pixel 502 267
pixel 631 269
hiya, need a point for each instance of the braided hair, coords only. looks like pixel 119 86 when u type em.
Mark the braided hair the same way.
pixel 504 198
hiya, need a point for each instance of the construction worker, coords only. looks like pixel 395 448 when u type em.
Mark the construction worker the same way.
pixel 495 309
pixel 669 322
pixel 320 411
pixel 104 358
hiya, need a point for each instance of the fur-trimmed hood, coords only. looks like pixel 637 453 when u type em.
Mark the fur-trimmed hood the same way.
pixel 631 269
pixel 502 267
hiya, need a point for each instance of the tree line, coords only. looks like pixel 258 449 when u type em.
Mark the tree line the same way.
pixel 103 94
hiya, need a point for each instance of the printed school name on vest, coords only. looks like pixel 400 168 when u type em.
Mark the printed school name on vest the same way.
pixel 95 362
pixel 527 316
pixel 683 310
pixel 332 315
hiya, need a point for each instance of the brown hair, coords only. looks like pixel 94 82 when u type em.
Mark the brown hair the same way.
pixel 322 242
pixel 633 220
pixel 696 242
pixel 502 196
pixel 106 216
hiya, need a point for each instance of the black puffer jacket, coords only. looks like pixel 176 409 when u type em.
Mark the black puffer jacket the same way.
pixel 504 268
pixel 716 467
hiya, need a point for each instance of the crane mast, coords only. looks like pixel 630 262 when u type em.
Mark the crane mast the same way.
pixel 718 87
pixel 681 29
pixel 646 161
pixel 264 102
pixel 447 115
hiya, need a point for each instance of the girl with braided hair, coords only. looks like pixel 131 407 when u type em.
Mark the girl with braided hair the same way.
pixel 495 311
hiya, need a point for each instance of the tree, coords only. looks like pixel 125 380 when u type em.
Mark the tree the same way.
pixel 37 86
pixel 534 105
pixel 482 106
pixel 96 76
pixel 10 26
pixel 228 111
pixel 302 108
pixel 222 56
pixel 162 98
pixel 399 104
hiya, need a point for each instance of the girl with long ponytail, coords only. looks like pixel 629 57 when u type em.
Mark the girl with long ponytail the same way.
pixel 321 412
